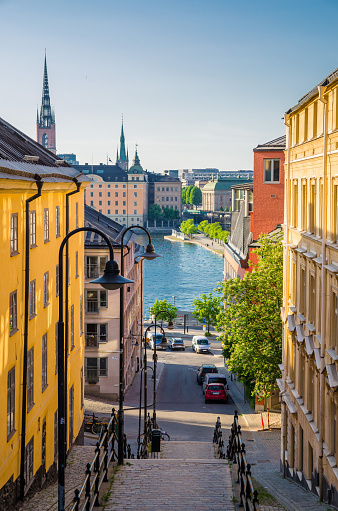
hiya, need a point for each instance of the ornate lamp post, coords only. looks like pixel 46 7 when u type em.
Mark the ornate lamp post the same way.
pixel 111 279
pixel 149 254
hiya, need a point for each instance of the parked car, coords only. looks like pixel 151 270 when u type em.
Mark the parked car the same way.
pixel 200 344
pixel 176 343
pixel 203 370
pixel 215 392
pixel 215 378
pixel 159 341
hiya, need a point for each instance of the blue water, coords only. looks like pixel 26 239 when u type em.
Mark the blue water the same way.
pixel 185 271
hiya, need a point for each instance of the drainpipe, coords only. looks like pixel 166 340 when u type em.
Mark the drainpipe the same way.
pixel 321 91
pixel 78 187
pixel 39 184
pixel 286 284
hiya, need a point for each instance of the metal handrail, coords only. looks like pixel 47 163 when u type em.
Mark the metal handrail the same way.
pixel 87 497
pixel 235 452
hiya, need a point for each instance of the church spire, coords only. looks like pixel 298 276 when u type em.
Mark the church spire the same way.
pixel 123 160
pixel 45 123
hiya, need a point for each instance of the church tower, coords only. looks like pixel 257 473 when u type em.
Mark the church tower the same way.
pixel 123 160
pixel 45 122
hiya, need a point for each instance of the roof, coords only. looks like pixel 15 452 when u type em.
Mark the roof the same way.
pixel 276 235
pixel 278 144
pixel 332 77
pixel 224 183
pixel 155 178
pixel 22 158
pixel 107 172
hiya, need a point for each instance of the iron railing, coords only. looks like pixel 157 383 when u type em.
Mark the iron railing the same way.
pixel 145 439
pixel 87 497
pixel 235 452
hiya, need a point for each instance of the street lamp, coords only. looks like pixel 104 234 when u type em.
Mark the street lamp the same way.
pixel 174 299
pixel 110 280
pixel 149 254
pixel 170 327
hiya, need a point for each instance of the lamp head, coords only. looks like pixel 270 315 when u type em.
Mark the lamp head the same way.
pixel 170 325
pixel 150 252
pixel 111 279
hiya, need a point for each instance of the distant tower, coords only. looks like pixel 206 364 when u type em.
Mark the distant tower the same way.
pixel 123 160
pixel 45 122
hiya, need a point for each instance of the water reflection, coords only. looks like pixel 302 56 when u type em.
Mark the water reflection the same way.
pixel 184 271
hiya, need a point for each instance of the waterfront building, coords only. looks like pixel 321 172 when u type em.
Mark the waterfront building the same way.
pixel 310 314
pixel 37 190
pixel 217 194
pixel 45 121
pixel 165 191
pixel 102 310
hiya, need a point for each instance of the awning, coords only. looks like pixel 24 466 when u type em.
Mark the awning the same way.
pixel 300 333
pixel 332 375
pixel 309 346
pixel 289 403
pixel 291 322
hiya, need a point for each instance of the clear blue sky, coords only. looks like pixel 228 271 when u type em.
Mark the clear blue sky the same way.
pixel 200 82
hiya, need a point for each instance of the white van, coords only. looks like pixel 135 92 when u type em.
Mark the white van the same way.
pixel 200 344
pixel 215 378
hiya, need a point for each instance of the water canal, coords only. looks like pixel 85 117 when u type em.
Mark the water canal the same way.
pixel 185 271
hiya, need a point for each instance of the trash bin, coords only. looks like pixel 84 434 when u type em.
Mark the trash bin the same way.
pixel 156 440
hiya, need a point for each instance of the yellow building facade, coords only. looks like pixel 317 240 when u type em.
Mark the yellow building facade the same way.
pixel 29 311
pixel 310 314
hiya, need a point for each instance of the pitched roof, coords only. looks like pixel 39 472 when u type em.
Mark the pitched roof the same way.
pixel 278 144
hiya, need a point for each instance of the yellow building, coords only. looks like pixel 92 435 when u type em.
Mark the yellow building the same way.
pixel 310 347
pixel 37 202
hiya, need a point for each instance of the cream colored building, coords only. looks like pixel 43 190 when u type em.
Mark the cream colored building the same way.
pixel 310 314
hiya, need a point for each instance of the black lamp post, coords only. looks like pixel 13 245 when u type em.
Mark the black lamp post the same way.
pixel 110 280
pixel 170 327
pixel 149 254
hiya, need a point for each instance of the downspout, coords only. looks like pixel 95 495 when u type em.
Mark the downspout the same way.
pixel 78 187
pixel 321 91
pixel 286 285
pixel 39 184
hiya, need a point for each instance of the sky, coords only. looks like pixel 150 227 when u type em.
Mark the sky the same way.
pixel 199 83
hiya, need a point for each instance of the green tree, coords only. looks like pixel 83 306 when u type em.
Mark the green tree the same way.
pixel 195 197
pixel 163 305
pixel 188 227
pixel 184 192
pixel 202 225
pixel 155 212
pixel 170 213
pixel 250 321
pixel 187 194
pixel 207 306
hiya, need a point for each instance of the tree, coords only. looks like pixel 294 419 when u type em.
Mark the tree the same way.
pixel 155 212
pixel 195 197
pixel 163 305
pixel 184 191
pixel 250 321
pixel 188 227
pixel 187 194
pixel 207 306
pixel 202 225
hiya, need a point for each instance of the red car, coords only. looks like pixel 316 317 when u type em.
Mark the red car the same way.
pixel 216 392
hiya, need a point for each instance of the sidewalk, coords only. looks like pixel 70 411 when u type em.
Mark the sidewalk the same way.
pixel 263 450
pixel 203 241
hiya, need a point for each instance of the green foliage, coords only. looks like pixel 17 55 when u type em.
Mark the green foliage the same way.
pixel 213 231
pixel 250 321
pixel 207 306
pixel 155 212
pixel 202 225
pixel 188 227
pixel 170 213
pixel 184 193
pixel 195 196
pixel 163 305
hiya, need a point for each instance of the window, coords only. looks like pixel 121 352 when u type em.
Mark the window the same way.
pixel 100 194
pixel 46 225
pixel 175 188
pixel 108 212
pixel 312 298
pixel 44 362
pixel 45 289
pixel 124 203
pixel 135 186
pixel 239 195
pixel 95 367
pixel 109 203
pixel 29 460
pixel 95 266
pixel 57 221
pixel 96 333
pixel 171 189
pixel 76 264
pixel 92 203
pixel 32 228
pixel 302 291
pixel 100 186
pixel 163 198
pixel 32 301
pixel 10 403
pixel 135 211
pixel 81 315
pixel 271 171
pixel 13 313
pixel 71 413
pixel 95 299
pixel 30 379
pixel 55 435
pixel 72 345
pixel 56 348
pixel 124 212
pixel 250 200
pixel 116 194
pixel 175 199
pixel 76 215
pixel 116 203
pixel 116 211
pixel 57 280
pixel 100 202
pixel 81 388
pixel 295 205
pixel 14 234
pixel 158 189
pixel 162 188
pixel 171 199
pixel 167 188
pixel 304 207
pixel 124 193
pixel 92 194
pixel 108 194
pixel 135 194
pixel 312 208
pixel 135 203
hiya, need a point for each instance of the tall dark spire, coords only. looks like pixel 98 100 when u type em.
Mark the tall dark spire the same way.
pixel 123 160
pixel 45 123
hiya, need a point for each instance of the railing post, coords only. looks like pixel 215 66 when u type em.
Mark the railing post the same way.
pixel 105 445
pixel 248 487
pixel 87 495
pixel 124 445
pixel 97 473
pixel 255 500
pixel 76 500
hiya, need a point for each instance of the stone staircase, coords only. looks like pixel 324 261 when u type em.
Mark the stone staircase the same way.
pixel 186 476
